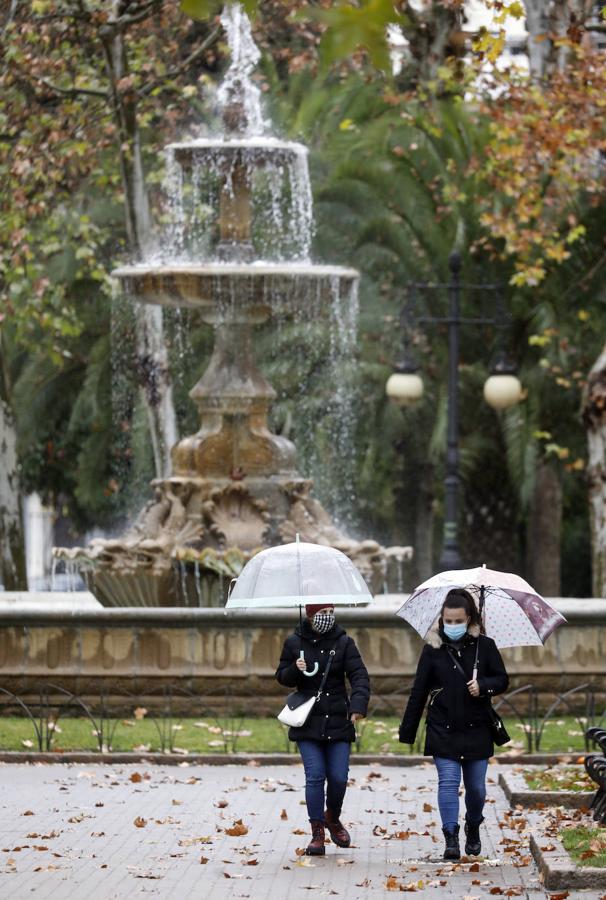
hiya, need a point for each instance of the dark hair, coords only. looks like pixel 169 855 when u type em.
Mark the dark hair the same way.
pixel 459 598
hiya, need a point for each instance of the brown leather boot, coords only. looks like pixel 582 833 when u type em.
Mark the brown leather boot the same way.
pixel 316 845
pixel 338 832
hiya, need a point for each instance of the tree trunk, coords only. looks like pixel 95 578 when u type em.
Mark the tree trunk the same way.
pixel 152 357
pixel 594 417
pixel 539 43
pixel 12 539
pixel 545 531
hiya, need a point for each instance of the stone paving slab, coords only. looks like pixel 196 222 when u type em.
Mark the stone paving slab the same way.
pixel 72 832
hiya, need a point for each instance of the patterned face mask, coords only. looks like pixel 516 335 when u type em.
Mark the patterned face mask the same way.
pixel 323 622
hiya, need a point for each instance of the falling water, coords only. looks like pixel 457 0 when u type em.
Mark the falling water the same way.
pixel 245 56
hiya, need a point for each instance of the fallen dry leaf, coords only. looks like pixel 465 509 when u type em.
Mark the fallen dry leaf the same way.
pixel 136 777
pixel 203 860
pixel 221 804
pixel 237 829
pixel 427 807
pixel 28 812
pixel 189 842
pixel 140 712
pixel 140 822
pixel 284 814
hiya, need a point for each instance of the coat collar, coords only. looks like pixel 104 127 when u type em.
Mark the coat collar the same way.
pixel 435 639
pixel 306 631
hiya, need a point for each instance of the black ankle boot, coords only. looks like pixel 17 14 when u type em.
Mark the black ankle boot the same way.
pixel 473 847
pixel 451 850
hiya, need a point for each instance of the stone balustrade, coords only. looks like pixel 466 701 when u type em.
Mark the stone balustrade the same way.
pixel 81 646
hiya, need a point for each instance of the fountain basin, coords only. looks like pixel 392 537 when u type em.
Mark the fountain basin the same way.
pixel 256 151
pixel 281 287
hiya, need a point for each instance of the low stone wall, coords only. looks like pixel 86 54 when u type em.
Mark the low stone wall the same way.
pixel 209 651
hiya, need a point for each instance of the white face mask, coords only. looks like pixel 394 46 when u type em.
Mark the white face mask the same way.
pixel 323 621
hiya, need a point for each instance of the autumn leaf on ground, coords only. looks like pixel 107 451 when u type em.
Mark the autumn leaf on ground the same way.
pixel 298 831
pixel 237 829
pixel 28 812
pixel 140 822
pixel 392 883
pixel 366 883
pixel 427 807
pixel 221 804
pixel 140 712
pixel 305 862
pixel 189 842
pixel 284 814
pixel 203 860
pixel 136 777
pixel 250 862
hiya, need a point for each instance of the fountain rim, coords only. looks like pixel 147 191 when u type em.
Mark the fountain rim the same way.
pixel 255 142
pixel 240 270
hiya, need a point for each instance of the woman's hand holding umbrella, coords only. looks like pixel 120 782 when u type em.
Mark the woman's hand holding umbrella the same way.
pixel 474 688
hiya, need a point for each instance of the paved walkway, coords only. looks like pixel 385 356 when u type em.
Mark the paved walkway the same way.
pixel 108 832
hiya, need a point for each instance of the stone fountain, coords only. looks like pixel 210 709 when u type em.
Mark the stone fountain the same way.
pixel 238 252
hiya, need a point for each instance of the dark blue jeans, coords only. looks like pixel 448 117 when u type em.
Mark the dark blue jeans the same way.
pixel 449 779
pixel 324 761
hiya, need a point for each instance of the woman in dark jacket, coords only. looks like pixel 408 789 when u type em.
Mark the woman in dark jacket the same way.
pixel 458 732
pixel 325 739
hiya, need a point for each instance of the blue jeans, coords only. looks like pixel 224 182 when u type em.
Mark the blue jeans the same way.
pixel 449 779
pixel 324 761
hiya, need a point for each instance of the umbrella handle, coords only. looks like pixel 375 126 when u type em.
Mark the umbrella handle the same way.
pixel 315 668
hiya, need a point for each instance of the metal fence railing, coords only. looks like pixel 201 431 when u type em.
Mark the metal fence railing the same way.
pixel 526 708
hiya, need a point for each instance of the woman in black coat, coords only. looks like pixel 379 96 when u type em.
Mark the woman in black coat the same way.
pixel 324 741
pixel 458 732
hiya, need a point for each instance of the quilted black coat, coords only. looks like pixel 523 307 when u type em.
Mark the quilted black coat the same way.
pixel 457 723
pixel 329 718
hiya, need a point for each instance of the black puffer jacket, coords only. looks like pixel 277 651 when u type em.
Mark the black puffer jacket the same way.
pixel 457 723
pixel 329 718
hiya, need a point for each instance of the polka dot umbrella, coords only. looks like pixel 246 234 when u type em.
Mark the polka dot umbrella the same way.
pixel 513 614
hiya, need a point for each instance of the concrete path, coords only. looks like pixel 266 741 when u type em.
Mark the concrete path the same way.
pixel 122 831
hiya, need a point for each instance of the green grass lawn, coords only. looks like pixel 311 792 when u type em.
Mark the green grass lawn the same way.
pixel 587 846
pixel 562 778
pixel 246 734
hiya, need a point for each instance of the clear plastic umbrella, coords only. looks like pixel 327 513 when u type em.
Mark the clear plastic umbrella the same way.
pixel 293 575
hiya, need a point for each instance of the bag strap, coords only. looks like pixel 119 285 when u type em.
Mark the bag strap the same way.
pixel 450 652
pixel 331 656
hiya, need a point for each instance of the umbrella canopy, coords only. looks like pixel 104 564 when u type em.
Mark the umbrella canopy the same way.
pixel 513 614
pixel 295 574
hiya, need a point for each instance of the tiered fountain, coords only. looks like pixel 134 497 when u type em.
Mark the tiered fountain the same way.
pixel 235 487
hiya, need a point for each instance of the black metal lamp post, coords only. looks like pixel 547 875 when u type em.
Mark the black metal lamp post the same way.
pixel 501 390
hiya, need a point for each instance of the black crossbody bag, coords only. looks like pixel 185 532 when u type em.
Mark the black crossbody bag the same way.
pixel 495 722
pixel 299 704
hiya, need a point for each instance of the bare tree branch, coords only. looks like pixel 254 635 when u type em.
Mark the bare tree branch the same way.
pixel 70 92
pixel 174 73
